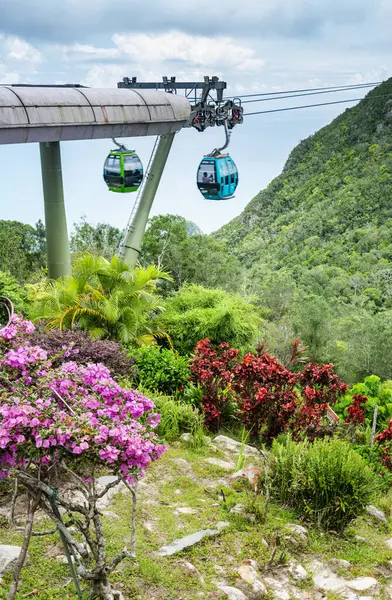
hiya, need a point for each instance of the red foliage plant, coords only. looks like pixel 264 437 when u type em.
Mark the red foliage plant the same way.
pixel 270 397
pixel 319 387
pixel 385 440
pixel 212 368
pixel 266 394
pixel 356 414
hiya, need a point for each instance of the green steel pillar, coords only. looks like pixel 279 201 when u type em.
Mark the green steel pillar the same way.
pixel 134 235
pixel 59 259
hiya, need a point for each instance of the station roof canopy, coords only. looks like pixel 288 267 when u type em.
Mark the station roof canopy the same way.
pixel 52 114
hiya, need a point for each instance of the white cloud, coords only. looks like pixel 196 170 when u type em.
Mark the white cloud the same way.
pixel 103 76
pixel 198 50
pixel 7 76
pixel 21 51
pixel 88 51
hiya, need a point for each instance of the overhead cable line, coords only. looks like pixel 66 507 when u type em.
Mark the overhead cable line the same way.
pixel 261 112
pixel 299 95
pixel 334 87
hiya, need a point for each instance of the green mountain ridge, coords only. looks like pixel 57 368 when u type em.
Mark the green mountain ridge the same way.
pixel 331 206
pixel 315 246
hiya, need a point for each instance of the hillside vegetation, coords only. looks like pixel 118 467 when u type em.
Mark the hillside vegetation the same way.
pixel 317 242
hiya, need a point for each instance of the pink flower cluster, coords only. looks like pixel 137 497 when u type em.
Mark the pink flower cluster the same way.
pixel 73 413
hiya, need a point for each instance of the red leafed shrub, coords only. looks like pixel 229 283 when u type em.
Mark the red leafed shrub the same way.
pixel 319 387
pixel 385 440
pixel 269 397
pixel 356 414
pixel 212 369
pixel 265 390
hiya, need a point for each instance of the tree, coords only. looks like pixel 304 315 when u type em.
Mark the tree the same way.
pixel 68 424
pixel 162 245
pixel 181 249
pixel 22 249
pixel 107 299
pixel 101 239
pixel 195 313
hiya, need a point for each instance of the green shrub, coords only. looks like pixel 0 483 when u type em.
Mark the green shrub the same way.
pixel 161 370
pixel 177 418
pixel 195 313
pixel 10 288
pixel 326 481
pixel 377 392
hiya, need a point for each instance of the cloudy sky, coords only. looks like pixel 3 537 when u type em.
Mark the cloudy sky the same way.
pixel 254 45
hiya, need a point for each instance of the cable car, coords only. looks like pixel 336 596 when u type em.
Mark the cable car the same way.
pixel 217 177
pixel 123 170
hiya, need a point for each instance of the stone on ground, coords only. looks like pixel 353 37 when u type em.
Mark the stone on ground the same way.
pixel 299 532
pixel 226 443
pixel 8 556
pixel 297 572
pixel 222 464
pixel 232 593
pixel 107 499
pixel 339 563
pixel 250 473
pixel 375 512
pixel 248 573
pixel 190 540
pixel 185 510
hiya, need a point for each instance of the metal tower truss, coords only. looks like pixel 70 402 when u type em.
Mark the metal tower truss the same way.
pixel 208 108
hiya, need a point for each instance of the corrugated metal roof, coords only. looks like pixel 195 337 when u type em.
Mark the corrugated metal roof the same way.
pixel 45 114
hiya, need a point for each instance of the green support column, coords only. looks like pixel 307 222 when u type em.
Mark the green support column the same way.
pixel 134 235
pixel 59 259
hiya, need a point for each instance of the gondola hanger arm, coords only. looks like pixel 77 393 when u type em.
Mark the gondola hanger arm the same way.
pixel 218 151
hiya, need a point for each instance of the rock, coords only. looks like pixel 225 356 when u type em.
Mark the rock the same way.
pixel 222 464
pixel 219 570
pixel 297 572
pixel 389 543
pixel 238 509
pixel 298 531
pixel 339 563
pixel 251 474
pixel 231 592
pixel 359 538
pixel 281 595
pixel 191 569
pixel 248 573
pixel 375 512
pixel 107 499
pixel 327 581
pixel 181 462
pixel 253 563
pixel 363 584
pixel 185 510
pixel 226 443
pixel 8 556
pixel 177 492
pixel 110 514
pixel 190 540
pixel 187 437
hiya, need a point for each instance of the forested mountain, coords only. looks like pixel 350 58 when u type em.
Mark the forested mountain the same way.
pixel 327 219
pixel 316 244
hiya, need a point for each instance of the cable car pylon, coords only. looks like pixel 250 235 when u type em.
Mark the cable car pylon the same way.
pixel 131 243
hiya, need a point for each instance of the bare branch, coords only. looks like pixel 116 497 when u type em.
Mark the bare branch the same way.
pixel 33 505
pixel 108 487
